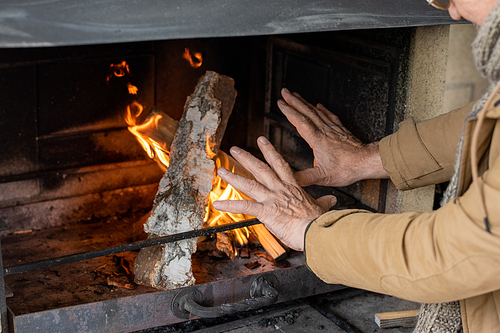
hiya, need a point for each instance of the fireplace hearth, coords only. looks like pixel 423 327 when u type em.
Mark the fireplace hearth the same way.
pixel 73 179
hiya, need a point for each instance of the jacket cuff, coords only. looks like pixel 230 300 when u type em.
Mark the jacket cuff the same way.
pixel 314 254
pixel 405 157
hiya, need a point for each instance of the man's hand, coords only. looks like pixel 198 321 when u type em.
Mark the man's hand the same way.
pixel 280 202
pixel 340 158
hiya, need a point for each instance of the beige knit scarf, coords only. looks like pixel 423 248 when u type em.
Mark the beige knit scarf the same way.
pixel 446 317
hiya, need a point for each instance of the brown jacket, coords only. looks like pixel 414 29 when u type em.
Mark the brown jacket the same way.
pixel 431 257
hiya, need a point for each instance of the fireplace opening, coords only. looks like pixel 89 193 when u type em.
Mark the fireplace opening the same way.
pixel 74 179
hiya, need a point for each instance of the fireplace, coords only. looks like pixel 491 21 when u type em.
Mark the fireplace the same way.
pixel 73 178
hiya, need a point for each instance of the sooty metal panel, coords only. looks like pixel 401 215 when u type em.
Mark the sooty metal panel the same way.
pixel 31 23
pixel 18 115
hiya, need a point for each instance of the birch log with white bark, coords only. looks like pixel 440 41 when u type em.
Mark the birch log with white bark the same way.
pixel 183 193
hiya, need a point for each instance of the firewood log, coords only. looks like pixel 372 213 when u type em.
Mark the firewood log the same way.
pixel 183 192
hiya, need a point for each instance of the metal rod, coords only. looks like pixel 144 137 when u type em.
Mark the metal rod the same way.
pixel 126 247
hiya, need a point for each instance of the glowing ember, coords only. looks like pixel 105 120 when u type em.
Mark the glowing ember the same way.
pixel 189 58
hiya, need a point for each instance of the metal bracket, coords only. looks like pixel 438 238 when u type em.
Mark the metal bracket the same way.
pixel 178 308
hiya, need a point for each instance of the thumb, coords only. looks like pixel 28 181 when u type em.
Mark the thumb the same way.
pixel 326 202
pixel 308 176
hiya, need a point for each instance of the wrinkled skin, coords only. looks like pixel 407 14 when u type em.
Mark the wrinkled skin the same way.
pixel 280 202
pixel 340 158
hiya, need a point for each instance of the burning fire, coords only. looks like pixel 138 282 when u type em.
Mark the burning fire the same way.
pixel 134 110
pixel 144 134
pixel 223 191
pixel 119 70
pixel 132 90
pixel 152 147
pixel 197 55
pixel 208 148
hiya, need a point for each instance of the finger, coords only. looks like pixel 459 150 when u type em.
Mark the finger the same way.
pixel 296 94
pixel 331 116
pixel 326 202
pixel 260 170
pixel 310 176
pixel 276 161
pixel 324 116
pixel 252 188
pixel 306 128
pixel 302 106
pixel 245 207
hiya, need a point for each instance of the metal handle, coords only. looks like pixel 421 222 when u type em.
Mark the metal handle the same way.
pixel 262 293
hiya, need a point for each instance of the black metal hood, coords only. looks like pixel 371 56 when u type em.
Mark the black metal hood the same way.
pixel 35 23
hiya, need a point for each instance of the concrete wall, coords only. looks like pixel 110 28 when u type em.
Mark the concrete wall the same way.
pixel 442 77
pixel 425 98
pixel 463 83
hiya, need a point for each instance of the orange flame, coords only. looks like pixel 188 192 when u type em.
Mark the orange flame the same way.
pixel 152 148
pixel 119 70
pixel 208 148
pixel 223 191
pixel 134 110
pixel 189 58
pixel 132 90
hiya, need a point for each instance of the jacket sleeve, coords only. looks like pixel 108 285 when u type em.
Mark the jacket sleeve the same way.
pixel 423 153
pixel 432 257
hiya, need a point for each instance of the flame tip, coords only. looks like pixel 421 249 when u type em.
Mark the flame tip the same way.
pixel 197 55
